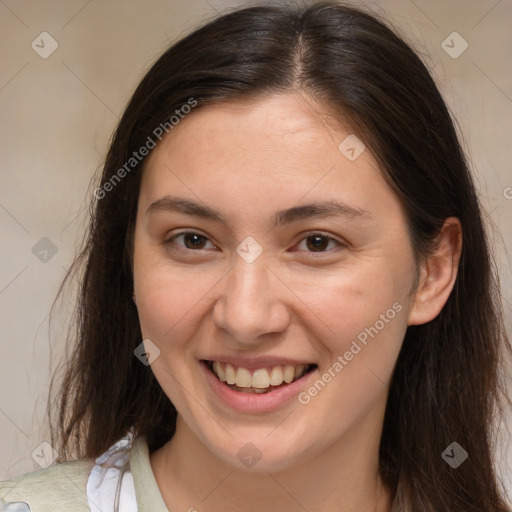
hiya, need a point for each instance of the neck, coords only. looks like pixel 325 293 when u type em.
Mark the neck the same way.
pixel 343 478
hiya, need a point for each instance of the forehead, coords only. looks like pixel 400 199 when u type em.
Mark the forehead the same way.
pixel 282 146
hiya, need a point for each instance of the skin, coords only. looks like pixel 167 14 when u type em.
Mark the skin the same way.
pixel 247 161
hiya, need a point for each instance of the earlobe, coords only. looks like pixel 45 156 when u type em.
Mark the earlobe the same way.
pixel 438 274
pixel 134 299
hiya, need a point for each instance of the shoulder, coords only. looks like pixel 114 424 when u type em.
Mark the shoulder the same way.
pixel 59 487
pixel 119 479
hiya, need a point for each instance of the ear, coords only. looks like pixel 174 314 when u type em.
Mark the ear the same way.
pixel 437 274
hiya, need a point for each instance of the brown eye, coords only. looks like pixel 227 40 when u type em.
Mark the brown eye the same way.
pixel 318 242
pixel 191 240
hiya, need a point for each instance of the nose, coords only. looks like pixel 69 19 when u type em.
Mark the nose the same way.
pixel 252 304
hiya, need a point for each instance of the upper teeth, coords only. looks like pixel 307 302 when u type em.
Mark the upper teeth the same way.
pixel 260 378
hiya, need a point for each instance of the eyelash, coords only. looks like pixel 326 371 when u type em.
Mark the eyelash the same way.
pixel 312 234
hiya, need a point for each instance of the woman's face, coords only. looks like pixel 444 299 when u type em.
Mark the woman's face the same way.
pixel 232 267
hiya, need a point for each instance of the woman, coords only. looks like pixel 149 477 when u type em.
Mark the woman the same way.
pixel 288 300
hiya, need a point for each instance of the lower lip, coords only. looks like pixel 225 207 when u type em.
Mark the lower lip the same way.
pixel 254 402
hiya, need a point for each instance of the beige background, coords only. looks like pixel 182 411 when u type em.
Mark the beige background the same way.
pixel 58 113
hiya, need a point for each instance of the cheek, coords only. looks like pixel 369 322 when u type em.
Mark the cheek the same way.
pixel 357 302
pixel 361 319
pixel 365 321
pixel 170 299
pixel 166 305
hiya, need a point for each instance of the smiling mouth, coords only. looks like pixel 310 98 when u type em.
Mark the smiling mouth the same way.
pixel 262 380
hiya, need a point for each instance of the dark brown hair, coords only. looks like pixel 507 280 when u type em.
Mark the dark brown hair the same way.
pixel 447 383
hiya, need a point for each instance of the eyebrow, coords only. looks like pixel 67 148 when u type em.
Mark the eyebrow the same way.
pixel 296 213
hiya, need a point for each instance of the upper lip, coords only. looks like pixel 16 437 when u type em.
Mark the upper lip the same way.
pixel 254 363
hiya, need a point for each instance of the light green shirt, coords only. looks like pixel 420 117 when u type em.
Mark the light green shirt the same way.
pixel 62 487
